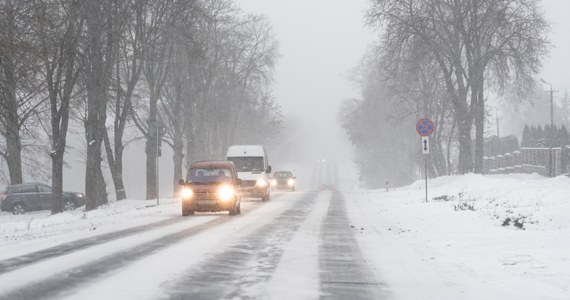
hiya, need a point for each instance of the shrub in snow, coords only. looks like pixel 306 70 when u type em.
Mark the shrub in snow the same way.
pixel 518 221
pixel 445 198
pixel 464 206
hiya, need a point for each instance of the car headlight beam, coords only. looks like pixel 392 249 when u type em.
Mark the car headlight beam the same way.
pixel 226 193
pixel 186 193
pixel 291 182
pixel 261 182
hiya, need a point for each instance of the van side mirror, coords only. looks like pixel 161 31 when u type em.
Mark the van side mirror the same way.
pixel 181 182
pixel 268 169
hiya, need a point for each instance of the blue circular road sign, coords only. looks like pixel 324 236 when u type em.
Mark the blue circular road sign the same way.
pixel 425 127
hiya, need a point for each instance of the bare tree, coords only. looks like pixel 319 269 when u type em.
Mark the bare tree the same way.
pixel 58 41
pixel 216 89
pixel 128 69
pixel 410 25
pixel 156 50
pixel 234 66
pixel 416 85
pixel 504 40
pixel 469 40
pixel 19 90
pixel 104 23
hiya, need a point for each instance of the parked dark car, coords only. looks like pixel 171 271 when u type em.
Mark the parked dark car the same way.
pixel 211 186
pixel 20 198
pixel 283 180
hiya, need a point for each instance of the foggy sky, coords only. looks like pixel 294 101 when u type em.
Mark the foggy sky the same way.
pixel 320 42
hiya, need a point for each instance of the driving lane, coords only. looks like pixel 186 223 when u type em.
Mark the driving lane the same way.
pixel 345 274
pixel 244 264
pixel 301 235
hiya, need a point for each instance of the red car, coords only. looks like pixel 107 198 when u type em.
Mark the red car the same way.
pixel 211 186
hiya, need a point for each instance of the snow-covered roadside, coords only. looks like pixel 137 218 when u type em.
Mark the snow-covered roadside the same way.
pixel 470 242
pixel 20 234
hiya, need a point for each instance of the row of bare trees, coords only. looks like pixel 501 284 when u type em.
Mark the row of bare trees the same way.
pixel 468 47
pixel 197 70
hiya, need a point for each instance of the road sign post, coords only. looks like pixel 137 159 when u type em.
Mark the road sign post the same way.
pixel 155 132
pixel 425 128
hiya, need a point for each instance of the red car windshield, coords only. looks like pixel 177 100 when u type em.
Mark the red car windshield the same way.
pixel 209 175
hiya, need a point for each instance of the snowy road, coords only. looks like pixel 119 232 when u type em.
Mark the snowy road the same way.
pixel 349 244
pixel 297 245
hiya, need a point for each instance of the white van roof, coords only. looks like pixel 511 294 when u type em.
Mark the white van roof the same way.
pixel 245 150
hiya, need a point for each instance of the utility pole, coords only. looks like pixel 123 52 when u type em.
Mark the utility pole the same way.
pixel 154 142
pixel 497 114
pixel 552 171
pixel 157 157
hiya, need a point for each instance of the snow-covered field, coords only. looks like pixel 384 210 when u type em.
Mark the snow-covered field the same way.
pixel 478 237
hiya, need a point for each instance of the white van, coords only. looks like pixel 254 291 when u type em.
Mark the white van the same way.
pixel 253 169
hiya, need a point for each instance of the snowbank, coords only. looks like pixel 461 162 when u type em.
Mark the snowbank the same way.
pixel 478 237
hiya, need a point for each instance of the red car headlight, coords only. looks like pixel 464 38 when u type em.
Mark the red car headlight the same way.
pixel 186 193
pixel 226 192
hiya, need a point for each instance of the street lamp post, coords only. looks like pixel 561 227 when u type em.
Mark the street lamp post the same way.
pixel 551 171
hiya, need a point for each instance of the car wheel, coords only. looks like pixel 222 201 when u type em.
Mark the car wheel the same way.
pixel 18 209
pixel 68 205
pixel 265 197
pixel 187 212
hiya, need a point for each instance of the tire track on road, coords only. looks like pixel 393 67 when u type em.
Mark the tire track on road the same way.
pixel 61 283
pixel 11 264
pixel 344 271
pixel 235 272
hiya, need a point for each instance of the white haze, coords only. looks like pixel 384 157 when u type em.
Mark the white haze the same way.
pixel 320 42
pixel 556 71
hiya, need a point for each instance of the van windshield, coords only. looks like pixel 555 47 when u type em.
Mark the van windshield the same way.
pixel 248 164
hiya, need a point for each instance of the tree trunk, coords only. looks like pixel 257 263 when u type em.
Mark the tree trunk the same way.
pixel 479 126
pixel 464 137
pixel 151 150
pixel 13 139
pixel 448 155
pixel 116 167
pixel 117 175
pixel 178 159
pixel 14 149
pixel 97 86
pixel 151 188
pixel 57 182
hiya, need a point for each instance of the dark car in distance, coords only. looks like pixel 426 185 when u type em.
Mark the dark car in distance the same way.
pixel 283 180
pixel 211 186
pixel 34 196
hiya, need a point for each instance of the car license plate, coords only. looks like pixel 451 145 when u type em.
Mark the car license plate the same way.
pixel 206 202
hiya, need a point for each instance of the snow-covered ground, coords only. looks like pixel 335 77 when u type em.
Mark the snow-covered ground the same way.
pixel 20 234
pixel 478 237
